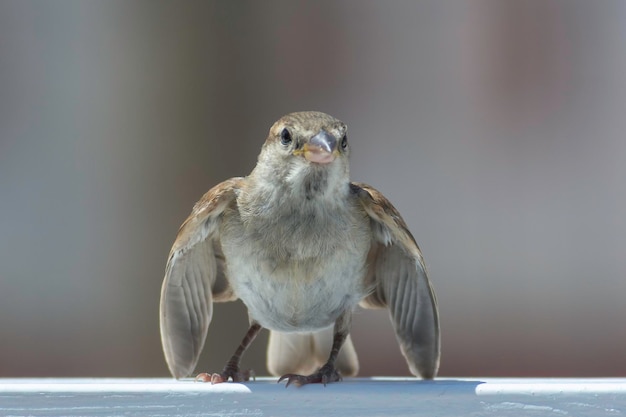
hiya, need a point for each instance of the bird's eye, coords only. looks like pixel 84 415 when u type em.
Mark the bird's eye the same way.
pixel 285 137
pixel 344 142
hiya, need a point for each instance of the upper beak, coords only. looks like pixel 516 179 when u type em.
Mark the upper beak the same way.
pixel 321 148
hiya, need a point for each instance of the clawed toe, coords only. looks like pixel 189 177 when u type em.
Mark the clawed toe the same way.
pixel 292 379
pixel 204 377
pixel 233 373
pixel 325 375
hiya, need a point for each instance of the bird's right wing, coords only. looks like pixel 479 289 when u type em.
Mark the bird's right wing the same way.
pixel 194 278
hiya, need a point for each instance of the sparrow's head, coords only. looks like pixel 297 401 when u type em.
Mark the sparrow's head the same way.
pixel 314 136
pixel 306 148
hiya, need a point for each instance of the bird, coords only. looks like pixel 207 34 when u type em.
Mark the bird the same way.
pixel 302 246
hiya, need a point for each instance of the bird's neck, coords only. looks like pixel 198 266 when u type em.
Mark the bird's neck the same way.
pixel 318 189
pixel 296 220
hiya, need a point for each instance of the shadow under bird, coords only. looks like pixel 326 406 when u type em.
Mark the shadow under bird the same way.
pixel 301 246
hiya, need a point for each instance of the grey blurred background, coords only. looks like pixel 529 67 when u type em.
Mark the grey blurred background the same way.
pixel 496 127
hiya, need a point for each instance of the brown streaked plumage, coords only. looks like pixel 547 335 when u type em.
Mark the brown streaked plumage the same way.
pixel 301 246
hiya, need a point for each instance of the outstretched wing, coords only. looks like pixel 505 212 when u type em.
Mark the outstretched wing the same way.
pixel 194 278
pixel 398 277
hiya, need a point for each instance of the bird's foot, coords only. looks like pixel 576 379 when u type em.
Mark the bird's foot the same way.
pixel 230 371
pixel 327 373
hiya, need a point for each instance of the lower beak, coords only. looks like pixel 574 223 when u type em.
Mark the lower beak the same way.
pixel 320 149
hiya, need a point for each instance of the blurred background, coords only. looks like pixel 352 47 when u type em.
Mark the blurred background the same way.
pixel 496 127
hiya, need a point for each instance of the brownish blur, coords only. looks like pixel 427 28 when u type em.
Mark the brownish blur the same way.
pixel 497 129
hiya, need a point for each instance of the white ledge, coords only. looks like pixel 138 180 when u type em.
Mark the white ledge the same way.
pixel 351 397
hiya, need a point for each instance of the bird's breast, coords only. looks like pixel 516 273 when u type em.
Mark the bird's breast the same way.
pixel 297 297
pixel 300 277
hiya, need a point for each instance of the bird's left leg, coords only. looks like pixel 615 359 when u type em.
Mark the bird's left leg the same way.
pixel 328 372
pixel 231 370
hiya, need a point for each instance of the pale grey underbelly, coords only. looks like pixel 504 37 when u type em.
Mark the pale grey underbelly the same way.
pixel 291 299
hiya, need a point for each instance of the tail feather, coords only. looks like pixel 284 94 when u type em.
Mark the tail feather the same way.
pixel 305 353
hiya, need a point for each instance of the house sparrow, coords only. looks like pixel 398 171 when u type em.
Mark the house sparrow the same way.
pixel 301 246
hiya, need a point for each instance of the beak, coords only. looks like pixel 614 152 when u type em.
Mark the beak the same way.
pixel 321 148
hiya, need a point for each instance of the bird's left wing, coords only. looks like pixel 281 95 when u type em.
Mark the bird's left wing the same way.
pixel 399 281
pixel 194 278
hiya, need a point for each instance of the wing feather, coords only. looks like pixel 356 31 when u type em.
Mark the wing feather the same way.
pixel 194 278
pixel 399 281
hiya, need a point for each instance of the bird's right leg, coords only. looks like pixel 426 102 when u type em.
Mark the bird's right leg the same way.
pixel 231 370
